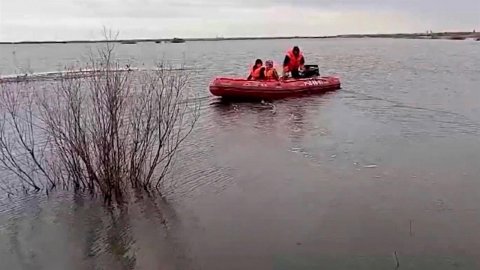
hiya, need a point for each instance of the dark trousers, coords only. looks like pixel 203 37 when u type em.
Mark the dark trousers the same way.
pixel 295 74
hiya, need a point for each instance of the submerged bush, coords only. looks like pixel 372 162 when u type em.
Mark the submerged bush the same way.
pixel 104 129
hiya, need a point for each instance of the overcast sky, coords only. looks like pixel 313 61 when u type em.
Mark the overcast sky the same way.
pixel 84 19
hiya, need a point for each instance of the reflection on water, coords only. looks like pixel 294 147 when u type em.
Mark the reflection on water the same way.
pixel 78 232
pixel 385 167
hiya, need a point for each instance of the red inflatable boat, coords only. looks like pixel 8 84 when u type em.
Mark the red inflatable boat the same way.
pixel 244 89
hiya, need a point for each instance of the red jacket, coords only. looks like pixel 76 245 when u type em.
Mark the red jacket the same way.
pixel 293 62
pixel 257 73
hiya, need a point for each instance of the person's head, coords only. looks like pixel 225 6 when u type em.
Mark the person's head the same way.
pixel 258 63
pixel 296 50
pixel 269 64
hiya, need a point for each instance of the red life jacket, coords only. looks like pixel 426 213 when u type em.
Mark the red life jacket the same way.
pixel 255 73
pixel 294 62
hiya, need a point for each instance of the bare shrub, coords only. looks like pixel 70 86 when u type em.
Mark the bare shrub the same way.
pixel 104 129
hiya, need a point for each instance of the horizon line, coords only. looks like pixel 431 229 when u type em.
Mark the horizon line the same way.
pixel 220 38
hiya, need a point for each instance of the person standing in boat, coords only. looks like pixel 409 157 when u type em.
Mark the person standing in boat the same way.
pixel 258 71
pixel 294 62
pixel 270 71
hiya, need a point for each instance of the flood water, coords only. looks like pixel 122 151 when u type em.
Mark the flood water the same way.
pixel 383 174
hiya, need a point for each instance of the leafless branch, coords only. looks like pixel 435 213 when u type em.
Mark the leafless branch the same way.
pixel 105 132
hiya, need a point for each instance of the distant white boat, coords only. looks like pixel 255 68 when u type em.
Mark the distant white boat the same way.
pixel 472 39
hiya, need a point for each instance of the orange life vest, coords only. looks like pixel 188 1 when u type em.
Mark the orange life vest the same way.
pixel 270 74
pixel 255 73
pixel 294 62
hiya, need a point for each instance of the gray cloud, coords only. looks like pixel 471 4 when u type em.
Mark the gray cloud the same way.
pixel 33 19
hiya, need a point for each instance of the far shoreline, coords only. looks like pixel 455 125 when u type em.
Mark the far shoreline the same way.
pixel 439 35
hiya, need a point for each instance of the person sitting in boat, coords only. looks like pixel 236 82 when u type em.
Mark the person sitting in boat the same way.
pixel 258 71
pixel 293 63
pixel 270 72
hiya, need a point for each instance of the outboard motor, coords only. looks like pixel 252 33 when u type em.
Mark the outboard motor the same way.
pixel 311 71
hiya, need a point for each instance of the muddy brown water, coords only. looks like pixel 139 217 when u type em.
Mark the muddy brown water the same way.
pixel 383 174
